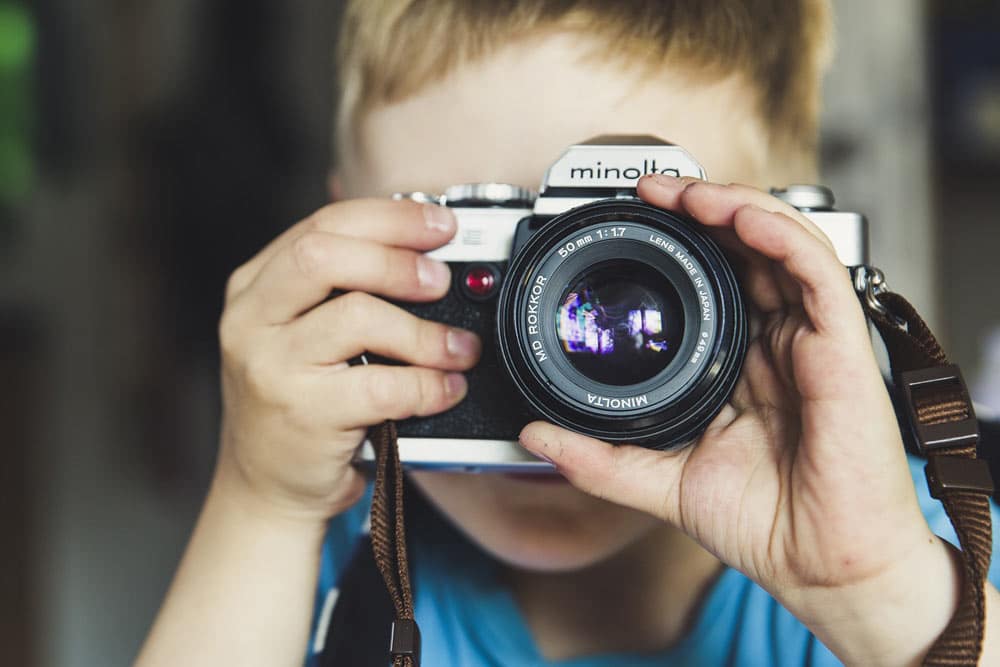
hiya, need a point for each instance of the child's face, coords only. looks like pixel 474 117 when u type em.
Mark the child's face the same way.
pixel 505 120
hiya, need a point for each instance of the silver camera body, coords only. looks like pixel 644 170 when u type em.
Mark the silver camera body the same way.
pixel 495 221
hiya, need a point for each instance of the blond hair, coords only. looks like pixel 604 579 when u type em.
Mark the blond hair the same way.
pixel 389 50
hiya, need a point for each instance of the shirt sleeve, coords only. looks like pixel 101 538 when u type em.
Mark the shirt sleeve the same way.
pixel 342 538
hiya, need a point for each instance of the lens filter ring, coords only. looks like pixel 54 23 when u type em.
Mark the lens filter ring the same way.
pixel 623 321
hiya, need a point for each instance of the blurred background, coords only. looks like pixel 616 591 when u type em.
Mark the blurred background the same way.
pixel 147 149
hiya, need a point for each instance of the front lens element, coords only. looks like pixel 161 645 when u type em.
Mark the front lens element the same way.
pixel 620 322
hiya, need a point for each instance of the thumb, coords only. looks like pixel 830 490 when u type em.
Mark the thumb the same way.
pixel 644 479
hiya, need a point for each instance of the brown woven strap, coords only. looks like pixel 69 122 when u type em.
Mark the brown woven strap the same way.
pixel 388 535
pixel 944 426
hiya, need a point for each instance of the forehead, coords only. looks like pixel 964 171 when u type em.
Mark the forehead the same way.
pixel 507 117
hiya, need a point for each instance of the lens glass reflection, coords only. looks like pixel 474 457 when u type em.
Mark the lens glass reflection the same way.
pixel 620 322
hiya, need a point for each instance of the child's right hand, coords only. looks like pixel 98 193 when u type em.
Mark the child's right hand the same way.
pixel 294 411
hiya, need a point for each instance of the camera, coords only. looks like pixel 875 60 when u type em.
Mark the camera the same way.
pixel 597 311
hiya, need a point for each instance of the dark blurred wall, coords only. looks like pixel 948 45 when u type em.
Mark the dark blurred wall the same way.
pixel 174 138
pixel 227 152
pixel 964 38
pixel 21 410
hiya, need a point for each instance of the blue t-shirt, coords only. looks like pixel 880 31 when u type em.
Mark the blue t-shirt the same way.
pixel 467 617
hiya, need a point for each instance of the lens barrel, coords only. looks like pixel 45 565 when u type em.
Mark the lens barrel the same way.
pixel 623 321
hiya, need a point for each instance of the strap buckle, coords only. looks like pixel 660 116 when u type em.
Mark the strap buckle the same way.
pixel 405 640
pixel 931 437
pixel 948 474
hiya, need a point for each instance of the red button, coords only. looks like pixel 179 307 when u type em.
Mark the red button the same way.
pixel 480 281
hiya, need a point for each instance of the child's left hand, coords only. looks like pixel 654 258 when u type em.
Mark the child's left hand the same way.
pixel 801 482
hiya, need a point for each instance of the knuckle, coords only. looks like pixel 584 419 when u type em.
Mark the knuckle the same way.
pixel 326 220
pixel 230 335
pixel 347 218
pixel 312 251
pixel 431 396
pixel 259 376
pixel 313 223
pixel 237 280
pixel 357 310
pixel 385 391
pixel 747 208
pixel 430 337
pixel 693 187
pixel 397 266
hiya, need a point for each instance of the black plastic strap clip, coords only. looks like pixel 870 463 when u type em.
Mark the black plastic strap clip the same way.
pixel 947 474
pixel 405 640
pixel 930 437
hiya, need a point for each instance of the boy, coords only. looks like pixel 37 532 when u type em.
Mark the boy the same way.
pixel 800 485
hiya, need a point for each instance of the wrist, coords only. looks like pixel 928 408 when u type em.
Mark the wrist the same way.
pixel 892 618
pixel 299 494
pixel 232 495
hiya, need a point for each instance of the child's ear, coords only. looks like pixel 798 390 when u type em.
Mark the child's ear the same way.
pixel 334 187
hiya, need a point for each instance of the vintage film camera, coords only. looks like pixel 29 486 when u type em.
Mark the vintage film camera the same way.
pixel 598 312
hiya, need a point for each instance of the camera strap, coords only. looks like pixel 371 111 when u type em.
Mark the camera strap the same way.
pixel 939 413
pixel 388 535
pixel 943 423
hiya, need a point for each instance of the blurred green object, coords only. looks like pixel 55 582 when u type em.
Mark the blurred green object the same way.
pixel 17 44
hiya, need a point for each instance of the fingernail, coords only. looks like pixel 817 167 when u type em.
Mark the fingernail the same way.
pixel 454 385
pixel 539 452
pixel 462 343
pixel 432 273
pixel 439 218
pixel 543 457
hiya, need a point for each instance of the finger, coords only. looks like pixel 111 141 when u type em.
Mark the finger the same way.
pixel 768 285
pixel 767 289
pixel 305 272
pixel 404 224
pixel 714 204
pixel 770 290
pixel 357 322
pixel 664 191
pixel 827 294
pixel 622 474
pixel 374 393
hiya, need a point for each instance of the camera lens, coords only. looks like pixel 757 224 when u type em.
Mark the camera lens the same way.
pixel 624 322
pixel 620 323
